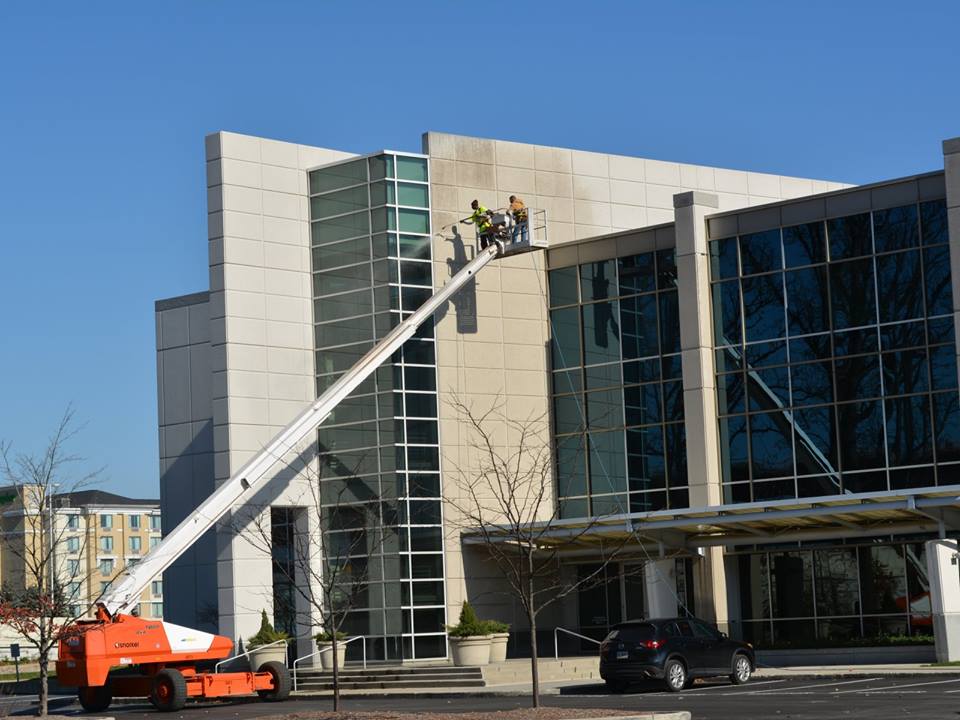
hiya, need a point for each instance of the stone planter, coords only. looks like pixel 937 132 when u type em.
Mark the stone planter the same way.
pixel 258 656
pixel 470 651
pixel 498 647
pixel 326 658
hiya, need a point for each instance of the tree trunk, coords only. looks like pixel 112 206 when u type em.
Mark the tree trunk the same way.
pixel 336 674
pixel 44 660
pixel 534 670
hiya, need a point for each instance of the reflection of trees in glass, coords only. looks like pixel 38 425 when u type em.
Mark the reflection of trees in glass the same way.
pixel 763 311
pixel 835 573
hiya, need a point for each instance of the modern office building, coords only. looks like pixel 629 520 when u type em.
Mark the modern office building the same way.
pixel 94 534
pixel 756 374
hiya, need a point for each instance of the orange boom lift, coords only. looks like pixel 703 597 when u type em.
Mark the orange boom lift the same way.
pixel 168 663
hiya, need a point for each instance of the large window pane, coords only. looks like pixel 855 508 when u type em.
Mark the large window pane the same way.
pixel 348 252
pixel 666 269
pixel 415 247
pixel 905 372
pixel 726 313
pixel 771 445
pixel 638 318
pixel 946 419
pixel 568 413
pixel 601 332
pixel 414 221
pixel 812 383
pixel 646 461
pixel 676 446
pixel 734 457
pixel 804 244
pixel 763 312
pixel 791 576
pixel 849 236
pixel 760 252
pixel 858 378
pixel 943 367
pixel 642 404
pixel 723 258
pixel 415 195
pixel 571 466
pixel 852 293
pixel 861 435
pixel 598 280
pixel 605 409
pixel 768 389
pixel 730 393
pixel 341 306
pixel 338 176
pixel 900 286
pixel 344 332
pixel 337 203
pixel 835 574
pixel 563 286
pixel 565 340
pixel 637 274
pixel 909 440
pixel 936 268
pixel 815 437
pixel 896 228
pixel 883 579
pixel 342 279
pixel 608 473
pixel 411 168
pixel 933 222
pixel 669 323
pixel 340 228
pixel 808 307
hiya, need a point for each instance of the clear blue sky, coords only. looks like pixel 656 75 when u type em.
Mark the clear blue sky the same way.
pixel 104 105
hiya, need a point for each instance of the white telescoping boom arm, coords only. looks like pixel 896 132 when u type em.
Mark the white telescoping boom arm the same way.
pixel 126 593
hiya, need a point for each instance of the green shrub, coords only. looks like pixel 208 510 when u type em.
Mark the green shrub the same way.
pixel 495 626
pixel 469 624
pixel 325 637
pixel 266 634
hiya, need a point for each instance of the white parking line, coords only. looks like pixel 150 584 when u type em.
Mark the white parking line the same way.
pixel 727 686
pixel 810 687
pixel 889 688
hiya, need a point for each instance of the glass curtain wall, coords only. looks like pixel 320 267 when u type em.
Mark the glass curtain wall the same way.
pixel 834 596
pixel 836 359
pixel 379 452
pixel 617 390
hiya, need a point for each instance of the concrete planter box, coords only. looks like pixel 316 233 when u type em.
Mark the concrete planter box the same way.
pixel 259 656
pixel 498 647
pixel 325 659
pixel 848 656
pixel 470 651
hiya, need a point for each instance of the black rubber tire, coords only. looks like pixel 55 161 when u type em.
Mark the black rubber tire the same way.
pixel 95 698
pixel 617 686
pixel 675 675
pixel 169 692
pixel 281 681
pixel 736 676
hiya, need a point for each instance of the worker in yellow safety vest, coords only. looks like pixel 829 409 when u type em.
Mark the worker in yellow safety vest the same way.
pixel 519 212
pixel 481 218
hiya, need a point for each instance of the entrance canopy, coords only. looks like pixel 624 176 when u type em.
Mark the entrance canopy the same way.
pixel 898 512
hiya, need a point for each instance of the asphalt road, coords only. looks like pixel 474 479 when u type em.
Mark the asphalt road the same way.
pixel 881 698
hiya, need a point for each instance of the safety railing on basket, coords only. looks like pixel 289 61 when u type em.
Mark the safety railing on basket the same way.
pixel 343 643
pixel 556 639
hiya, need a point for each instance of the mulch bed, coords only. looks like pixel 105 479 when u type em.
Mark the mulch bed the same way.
pixel 544 713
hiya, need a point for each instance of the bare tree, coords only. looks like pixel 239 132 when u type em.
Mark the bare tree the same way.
pixel 42 600
pixel 506 502
pixel 327 559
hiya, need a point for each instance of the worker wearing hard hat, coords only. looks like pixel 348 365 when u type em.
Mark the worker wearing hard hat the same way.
pixel 481 218
pixel 519 212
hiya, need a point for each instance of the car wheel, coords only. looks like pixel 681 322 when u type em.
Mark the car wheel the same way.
pixel 675 675
pixel 617 686
pixel 741 669
pixel 169 692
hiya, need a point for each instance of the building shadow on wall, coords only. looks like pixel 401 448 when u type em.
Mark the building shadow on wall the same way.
pixel 465 301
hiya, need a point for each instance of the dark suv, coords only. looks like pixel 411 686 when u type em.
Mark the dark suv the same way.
pixel 674 650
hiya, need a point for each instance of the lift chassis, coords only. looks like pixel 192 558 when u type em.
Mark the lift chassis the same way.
pixel 122 655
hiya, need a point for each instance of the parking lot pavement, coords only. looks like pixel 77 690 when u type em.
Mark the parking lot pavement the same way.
pixel 809 698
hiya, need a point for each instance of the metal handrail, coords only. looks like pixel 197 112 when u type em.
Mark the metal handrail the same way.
pixel 556 646
pixel 216 668
pixel 330 649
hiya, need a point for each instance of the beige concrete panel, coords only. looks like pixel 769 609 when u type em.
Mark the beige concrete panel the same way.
pixel 283 205
pixel 554 184
pixel 282 179
pixel 527 409
pixel 310 157
pixel 245 357
pixel 286 257
pixel 243 225
pixel 731 201
pixel 586 232
pixel 525 357
pixel 591 188
pixel 662 173
pixel 248 384
pixel 705 178
pixel 517 280
pixel 590 163
pixel 476 175
pixel 519 181
pixel 466 195
pixel 791 187
pixel 240 251
pixel 241 277
pixel 247 410
pixel 288 360
pixel 289 335
pixel 291 387
pixel 731 181
pixel 476 150
pixel 277 152
pixel 699 369
pixel 247 331
pixel 514 154
pixel 444 197
pixel 244 437
pixel 628 216
pixel 627 168
pixel 660 196
pixel 526 383
pixel 239 147
pixel 598 250
pixel 763 184
pixel 280 412
pixel 586 212
pixel 688 177
pixel 552 159
pixel 656 216
pixel 626 192
pixel 521 306
pixel 234 172
pixel 240 199
pixel 523 332
pixel 557 209
pixel 559 233
pixel 288 308
pixel 286 282
pixel 439 145
pixel 443 172
pixel 484 355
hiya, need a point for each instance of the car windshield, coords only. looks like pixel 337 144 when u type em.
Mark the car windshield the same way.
pixel 633 633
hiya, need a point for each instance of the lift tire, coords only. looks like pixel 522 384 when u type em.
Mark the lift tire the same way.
pixel 95 698
pixel 281 681
pixel 169 692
